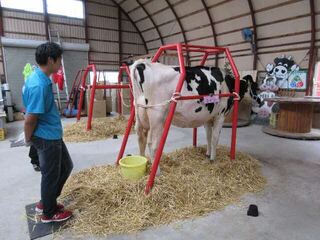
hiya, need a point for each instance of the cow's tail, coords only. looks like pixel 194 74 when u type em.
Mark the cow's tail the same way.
pixel 135 80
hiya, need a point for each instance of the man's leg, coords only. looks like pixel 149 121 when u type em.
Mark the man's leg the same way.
pixel 66 168
pixel 50 153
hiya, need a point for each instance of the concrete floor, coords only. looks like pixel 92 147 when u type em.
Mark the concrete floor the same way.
pixel 289 206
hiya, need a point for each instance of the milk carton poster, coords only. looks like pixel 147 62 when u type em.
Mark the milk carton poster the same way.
pixel 297 80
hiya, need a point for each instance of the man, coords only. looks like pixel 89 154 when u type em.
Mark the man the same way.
pixel 43 130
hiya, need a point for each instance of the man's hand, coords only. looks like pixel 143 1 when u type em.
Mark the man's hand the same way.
pixel 30 124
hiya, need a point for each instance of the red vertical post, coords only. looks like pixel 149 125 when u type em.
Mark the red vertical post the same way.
pixel 82 88
pixel 195 131
pixel 126 135
pixel 235 107
pixel 118 91
pixel 92 93
pixel 130 121
pixel 168 121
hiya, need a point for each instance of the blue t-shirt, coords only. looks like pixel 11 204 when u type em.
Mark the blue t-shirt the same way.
pixel 38 99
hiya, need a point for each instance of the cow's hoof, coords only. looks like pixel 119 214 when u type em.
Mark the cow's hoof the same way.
pixel 211 161
pixel 207 156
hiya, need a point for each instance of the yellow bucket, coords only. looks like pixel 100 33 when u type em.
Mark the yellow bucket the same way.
pixel 2 134
pixel 133 167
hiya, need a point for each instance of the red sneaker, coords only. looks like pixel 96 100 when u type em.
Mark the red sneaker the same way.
pixel 39 207
pixel 58 217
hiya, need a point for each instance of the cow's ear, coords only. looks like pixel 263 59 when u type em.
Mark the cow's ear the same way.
pixel 248 78
pixel 276 60
pixel 295 67
pixel 230 82
pixel 243 88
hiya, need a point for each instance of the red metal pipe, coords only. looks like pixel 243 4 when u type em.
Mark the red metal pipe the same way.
pixel 94 86
pixel 115 86
pixel 195 131
pixel 204 51
pixel 204 59
pixel 202 96
pixel 126 135
pixel 82 88
pixel 92 94
pixel 131 118
pixel 118 92
pixel 168 121
pixel 203 47
pixel 235 107
pixel 158 54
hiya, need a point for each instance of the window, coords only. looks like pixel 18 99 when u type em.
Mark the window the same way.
pixel 30 5
pixel 110 77
pixel 69 8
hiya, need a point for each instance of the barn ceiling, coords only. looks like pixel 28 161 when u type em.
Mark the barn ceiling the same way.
pixel 280 26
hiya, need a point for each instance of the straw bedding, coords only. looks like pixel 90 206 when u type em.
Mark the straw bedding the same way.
pixel 189 186
pixel 102 128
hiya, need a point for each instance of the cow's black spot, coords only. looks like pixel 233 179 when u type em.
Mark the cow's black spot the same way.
pixel 146 101
pixel 141 67
pixel 204 87
pixel 198 109
pixel 223 110
pixel 177 69
pixel 230 82
pixel 217 74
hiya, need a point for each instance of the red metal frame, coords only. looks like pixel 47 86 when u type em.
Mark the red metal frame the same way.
pixel 180 48
pixel 73 94
pixel 93 88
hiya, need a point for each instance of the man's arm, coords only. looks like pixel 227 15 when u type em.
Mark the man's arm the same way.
pixel 30 124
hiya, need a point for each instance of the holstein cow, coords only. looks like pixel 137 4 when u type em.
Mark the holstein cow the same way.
pixel 154 85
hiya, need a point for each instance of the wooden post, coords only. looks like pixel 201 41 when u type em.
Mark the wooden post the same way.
pixel 312 50
pixel 1 22
pixel 85 6
pixel 46 18
pixel 120 35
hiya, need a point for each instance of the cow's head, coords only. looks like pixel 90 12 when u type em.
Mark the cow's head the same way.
pixel 282 67
pixel 253 90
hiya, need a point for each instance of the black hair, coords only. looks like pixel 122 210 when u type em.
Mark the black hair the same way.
pixel 48 50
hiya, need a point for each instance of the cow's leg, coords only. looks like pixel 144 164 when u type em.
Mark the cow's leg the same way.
pixel 156 120
pixel 217 126
pixel 142 128
pixel 208 128
pixel 142 139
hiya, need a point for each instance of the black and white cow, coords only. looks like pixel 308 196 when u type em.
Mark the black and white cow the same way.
pixel 154 84
pixel 283 65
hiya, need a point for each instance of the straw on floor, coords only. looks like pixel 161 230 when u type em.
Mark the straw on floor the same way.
pixel 102 128
pixel 189 186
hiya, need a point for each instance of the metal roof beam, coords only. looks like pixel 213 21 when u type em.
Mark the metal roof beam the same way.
pixel 181 27
pixel 255 36
pixel 151 19
pixel 134 25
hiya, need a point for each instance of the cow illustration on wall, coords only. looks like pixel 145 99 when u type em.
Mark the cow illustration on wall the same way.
pixel 281 69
